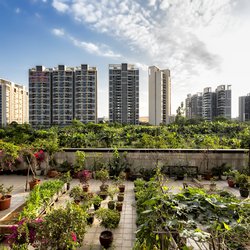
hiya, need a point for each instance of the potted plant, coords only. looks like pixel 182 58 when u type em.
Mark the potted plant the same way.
pixel 103 194
pixel 66 178
pixel 119 205
pixel 79 165
pixel 220 170
pixel 90 218
pixel 231 176
pixel 30 159
pixel 120 182
pixel 120 197
pixel 180 171
pixel 244 185
pixel 103 176
pixel 109 219
pixel 76 193
pixel 5 197
pixel 84 176
pixel 96 200
pixel 112 190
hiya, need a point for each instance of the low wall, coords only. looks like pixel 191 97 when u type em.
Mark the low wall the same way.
pixel 204 160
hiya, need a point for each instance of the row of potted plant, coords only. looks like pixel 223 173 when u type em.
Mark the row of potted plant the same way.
pixel 40 197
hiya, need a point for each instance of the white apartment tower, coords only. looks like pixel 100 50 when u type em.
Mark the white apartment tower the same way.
pixel 14 103
pixel 159 83
pixel 59 95
pixel 124 93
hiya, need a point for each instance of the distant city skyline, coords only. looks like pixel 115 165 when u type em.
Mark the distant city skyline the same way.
pixel 202 43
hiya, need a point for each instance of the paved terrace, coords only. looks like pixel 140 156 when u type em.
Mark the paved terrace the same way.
pixel 124 235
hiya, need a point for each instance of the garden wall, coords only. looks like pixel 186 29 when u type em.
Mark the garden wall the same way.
pixel 202 160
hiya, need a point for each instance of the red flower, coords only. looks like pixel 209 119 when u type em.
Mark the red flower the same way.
pixel 73 235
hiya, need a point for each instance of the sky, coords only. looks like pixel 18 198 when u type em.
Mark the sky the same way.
pixel 204 43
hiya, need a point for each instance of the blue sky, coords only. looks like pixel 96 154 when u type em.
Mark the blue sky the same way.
pixel 203 43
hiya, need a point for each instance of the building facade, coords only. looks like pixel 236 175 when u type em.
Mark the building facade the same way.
pixel 244 108
pixel 14 103
pixel 159 89
pixel 124 93
pixel 209 104
pixel 196 105
pixel 193 104
pixel 59 95
pixel 223 101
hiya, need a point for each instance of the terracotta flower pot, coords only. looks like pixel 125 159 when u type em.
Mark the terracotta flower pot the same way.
pixel 106 239
pixel 230 182
pixel 85 188
pixel 33 183
pixel 52 173
pixel 5 203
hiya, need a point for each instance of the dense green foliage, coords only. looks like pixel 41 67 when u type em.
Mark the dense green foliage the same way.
pixel 39 197
pixel 188 134
pixel 218 219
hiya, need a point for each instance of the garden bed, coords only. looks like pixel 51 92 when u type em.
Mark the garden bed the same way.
pixel 13 217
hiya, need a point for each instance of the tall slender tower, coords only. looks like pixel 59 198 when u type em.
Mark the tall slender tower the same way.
pixel 159 83
pixel 14 103
pixel 124 93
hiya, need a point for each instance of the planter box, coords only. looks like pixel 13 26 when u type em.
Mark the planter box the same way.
pixel 11 218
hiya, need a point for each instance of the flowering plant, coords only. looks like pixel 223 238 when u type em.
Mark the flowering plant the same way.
pixel 63 228
pixel 40 156
pixel 84 176
pixel 24 232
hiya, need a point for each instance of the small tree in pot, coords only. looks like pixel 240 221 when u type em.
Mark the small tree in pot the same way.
pixel 109 219
pixel 103 176
pixel 96 200
pixel 112 191
pixel 76 193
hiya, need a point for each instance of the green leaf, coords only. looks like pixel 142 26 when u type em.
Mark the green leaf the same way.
pixel 227 227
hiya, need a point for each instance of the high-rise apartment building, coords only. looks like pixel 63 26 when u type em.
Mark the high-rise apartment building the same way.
pixel 14 103
pixel 159 89
pixel 123 93
pixel 223 101
pixel 208 104
pixel 59 95
pixel 194 106
pixel 244 108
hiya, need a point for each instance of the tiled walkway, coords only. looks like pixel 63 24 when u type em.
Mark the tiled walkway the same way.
pixel 124 235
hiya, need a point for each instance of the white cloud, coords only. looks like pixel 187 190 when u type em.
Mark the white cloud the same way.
pixel 60 5
pixel 174 34
pixel 92 48
pixel 58 32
